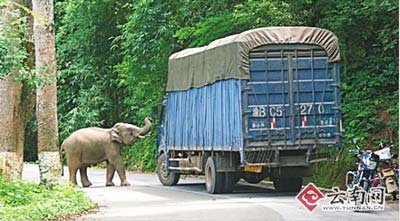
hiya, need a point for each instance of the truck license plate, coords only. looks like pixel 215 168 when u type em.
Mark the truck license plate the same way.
pixel 388 173
pixel 253 169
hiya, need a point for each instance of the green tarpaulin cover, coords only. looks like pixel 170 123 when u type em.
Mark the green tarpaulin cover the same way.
pixel 228 57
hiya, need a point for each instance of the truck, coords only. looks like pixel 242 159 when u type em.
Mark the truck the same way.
pixel 264 103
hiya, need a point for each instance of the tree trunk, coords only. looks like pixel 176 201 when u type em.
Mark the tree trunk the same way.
pixel 28 102
pixel 46 94
pixel 11 126
pixel 11 130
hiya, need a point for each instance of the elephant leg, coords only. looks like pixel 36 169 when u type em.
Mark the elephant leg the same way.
pixel 84 178
pixel 72 175
pixel 110 174
pixel 116 162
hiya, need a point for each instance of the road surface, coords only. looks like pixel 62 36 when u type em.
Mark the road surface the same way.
pixel 147 199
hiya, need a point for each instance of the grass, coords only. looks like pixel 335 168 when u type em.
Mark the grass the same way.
pixel 28 201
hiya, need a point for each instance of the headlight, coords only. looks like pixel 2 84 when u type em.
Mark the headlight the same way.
pixel 371 165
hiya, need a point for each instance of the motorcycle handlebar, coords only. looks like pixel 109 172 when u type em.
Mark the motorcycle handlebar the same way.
pixel 355 152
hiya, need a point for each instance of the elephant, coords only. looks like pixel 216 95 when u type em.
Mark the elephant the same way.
pixel 93 145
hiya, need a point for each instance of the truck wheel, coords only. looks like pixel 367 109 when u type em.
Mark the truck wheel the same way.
pixel 167 179
pixel 214 180
pixel 288 184
pixel 230 181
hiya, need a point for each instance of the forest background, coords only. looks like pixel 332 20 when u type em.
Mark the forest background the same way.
pixel 112 59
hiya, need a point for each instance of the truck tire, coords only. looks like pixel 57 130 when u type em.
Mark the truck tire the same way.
pixel 230 181
pixel 288 184
pixel 167 179
pixel 214 179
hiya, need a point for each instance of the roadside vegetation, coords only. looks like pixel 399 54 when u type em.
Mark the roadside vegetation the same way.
pixel 28 201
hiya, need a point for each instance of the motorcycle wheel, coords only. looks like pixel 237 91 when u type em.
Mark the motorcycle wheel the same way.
pixel 394 195
pixel 365 186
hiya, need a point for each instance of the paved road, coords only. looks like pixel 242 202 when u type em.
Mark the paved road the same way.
pixel 147 199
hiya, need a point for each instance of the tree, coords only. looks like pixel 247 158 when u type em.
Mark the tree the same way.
pixel 46 94
pixel 11 125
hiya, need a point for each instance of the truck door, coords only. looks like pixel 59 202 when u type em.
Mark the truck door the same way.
pixel 292 99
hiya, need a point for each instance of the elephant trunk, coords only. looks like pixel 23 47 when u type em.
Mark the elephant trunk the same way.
pixel 146 128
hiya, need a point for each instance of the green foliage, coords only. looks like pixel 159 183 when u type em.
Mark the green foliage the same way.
pixel 88 86
pixel 15 194
pixel 14 57
pixel 12 52
pixel 235 19
pixel 146 43
pixel 28 201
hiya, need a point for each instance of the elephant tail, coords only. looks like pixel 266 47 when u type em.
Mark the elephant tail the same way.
pixel 61 150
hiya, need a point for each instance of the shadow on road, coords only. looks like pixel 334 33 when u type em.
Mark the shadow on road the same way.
pixel 242 189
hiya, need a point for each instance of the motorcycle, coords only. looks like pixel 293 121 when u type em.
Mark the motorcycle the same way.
pixel 388 170
pixel 365 176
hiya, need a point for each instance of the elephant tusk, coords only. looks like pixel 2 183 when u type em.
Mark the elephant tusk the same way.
pixel 141 137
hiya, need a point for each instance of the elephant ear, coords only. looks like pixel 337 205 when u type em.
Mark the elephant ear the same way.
pixel 116 133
